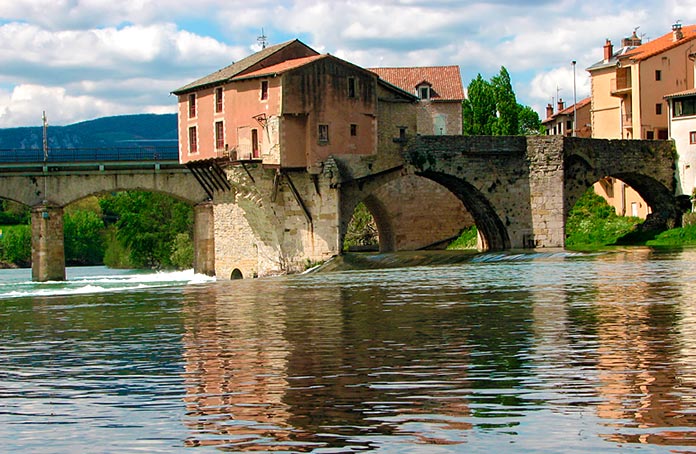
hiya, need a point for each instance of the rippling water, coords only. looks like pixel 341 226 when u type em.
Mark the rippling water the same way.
pixel 508 352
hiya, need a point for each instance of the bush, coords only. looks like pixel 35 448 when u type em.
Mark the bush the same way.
pixel 468 239
pixel 182 254
pixel 362 229
pixel 593 222
pixel 16 245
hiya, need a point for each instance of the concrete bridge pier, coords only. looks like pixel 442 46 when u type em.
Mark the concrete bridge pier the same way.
pixel 47 244
pixel 204 239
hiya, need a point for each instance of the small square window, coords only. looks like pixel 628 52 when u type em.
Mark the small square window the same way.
pixel 692 137
pixel 650 135
pixel 658 108
pixel 353 130
pixel 658 74
pixel 323 133
pixel 264 90
pixel 424 92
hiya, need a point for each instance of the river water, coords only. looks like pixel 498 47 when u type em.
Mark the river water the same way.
pixel 534 352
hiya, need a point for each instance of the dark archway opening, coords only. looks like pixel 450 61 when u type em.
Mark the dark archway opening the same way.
pixel 236 274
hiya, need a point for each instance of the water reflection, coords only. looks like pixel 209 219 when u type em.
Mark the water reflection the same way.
pixel 532 352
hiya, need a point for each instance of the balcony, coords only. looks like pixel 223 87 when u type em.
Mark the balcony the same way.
pixel 621 86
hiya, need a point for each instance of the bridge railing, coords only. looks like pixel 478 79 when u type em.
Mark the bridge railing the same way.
pixel 55 155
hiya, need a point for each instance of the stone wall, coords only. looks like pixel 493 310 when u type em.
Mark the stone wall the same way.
pixel 261 227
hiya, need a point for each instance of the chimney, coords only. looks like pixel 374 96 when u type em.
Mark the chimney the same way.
pixel 560 105
pixel 549 110
pixel 632 41
pixel 608 51
pixel 677 32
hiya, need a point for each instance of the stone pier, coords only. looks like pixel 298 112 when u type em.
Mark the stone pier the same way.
pixel 204 239
pixel 47 244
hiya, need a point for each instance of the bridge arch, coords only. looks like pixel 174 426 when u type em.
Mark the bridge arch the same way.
pixel 411 212
pixel 493 233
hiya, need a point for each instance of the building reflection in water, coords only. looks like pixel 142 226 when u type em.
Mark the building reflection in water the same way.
pixel 645 365
pixel 270 368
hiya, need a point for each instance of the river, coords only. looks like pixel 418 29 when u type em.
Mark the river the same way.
pixel 531 352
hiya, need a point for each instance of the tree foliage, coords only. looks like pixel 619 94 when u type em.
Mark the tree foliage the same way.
pixel 362 230
pixel 15 245
pixel 148 224
pixel 84 242
pixel 491 108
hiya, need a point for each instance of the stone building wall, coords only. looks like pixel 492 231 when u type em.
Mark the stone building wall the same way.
pixel 261 229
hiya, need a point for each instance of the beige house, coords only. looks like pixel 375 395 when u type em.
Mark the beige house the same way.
pixel 560 123
pixel 627 90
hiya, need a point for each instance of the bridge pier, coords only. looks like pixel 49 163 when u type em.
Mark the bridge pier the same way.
pixel 47 244
pixel 204 239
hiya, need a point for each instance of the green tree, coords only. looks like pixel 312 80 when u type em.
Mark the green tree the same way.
pixel 84 243
pixel 529 121
pixel 148 224
pixel 362 230
pixel 479 113
pixel 506 123
pixel 16 245
pixel 491 108
pixel 182 253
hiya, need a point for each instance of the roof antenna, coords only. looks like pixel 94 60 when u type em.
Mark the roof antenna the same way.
pixel 262 39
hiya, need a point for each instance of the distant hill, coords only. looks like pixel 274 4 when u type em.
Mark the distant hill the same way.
pixel 118 131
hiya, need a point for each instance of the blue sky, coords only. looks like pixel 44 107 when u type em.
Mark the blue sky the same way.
pixel 83 59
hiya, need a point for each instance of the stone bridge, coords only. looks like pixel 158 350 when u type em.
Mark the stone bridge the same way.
pixel 48 188
pixel 255 220
pixel 516 190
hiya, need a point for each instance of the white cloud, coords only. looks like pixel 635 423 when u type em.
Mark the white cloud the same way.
pixel 130 54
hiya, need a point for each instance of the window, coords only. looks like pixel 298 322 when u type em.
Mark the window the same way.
pixel 353 130
pixel 569 125
pixel 255 143
pixel 658 108
pixel 192 105
pixel 219 135
pixel 218 99
pixel 658 74
pixel 424 92
pixel 264 90
pixel 692 137
pixel 193 140
pixel 351 87
pixel 323 133
pixel 685 107
pixel 650 135
pixel 402 133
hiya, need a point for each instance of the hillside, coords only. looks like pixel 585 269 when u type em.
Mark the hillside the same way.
pixel 116 131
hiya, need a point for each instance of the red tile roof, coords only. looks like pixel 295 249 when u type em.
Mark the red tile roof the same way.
pixel 280 67
pixel 569 110
pixel 446 81
pixel 661 44
pixel 681 94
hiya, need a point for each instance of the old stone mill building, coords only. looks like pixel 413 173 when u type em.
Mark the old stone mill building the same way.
pixel 287 142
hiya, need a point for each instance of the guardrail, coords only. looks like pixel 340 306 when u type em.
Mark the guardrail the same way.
pixel 67 155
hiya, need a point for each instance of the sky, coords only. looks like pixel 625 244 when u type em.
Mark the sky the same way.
pixel 83 59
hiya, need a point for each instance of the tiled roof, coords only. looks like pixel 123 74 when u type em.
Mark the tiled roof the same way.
pixel 236 68
pixel 280 67
pixel 661 44
pixel 681 94
pixel 446 81
pixel 569 110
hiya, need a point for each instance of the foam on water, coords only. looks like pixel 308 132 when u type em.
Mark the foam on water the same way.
pixel 101 283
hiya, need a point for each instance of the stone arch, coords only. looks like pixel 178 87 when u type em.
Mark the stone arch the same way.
pixel 411 212
pixel 580 176
pixel 492 231
pixel 236 274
